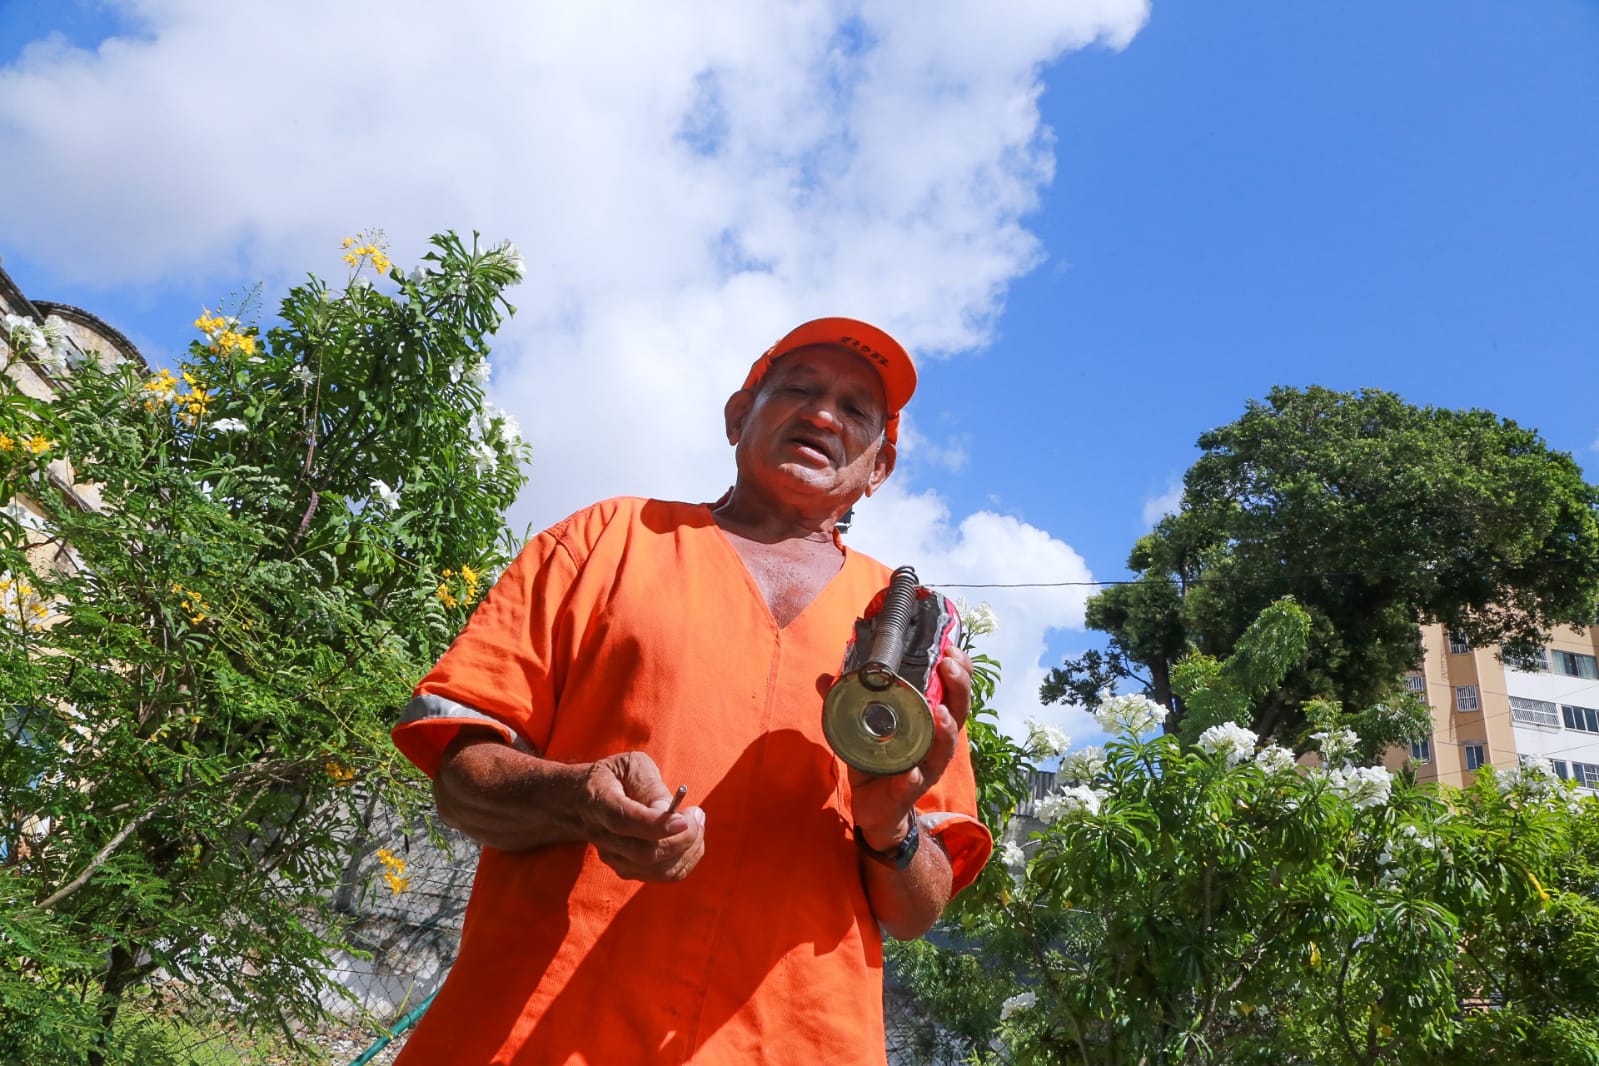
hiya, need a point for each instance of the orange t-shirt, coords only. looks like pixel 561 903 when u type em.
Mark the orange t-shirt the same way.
pixel 634 625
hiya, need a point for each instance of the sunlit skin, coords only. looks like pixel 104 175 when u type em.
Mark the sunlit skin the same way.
pixel 808 444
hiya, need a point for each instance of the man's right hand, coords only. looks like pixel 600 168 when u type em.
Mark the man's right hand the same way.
pixel 628 824
pixel 514 801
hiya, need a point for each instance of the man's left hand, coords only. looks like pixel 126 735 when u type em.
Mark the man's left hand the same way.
pixel 884 804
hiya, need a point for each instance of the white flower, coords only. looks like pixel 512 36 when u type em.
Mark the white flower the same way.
pixel 1044 740
pixel 506 252
pixel 483 421
pixel 55 332
pixel 484 455
pixel 1275 759
pixel 47 344
pixel 1057 805
pixel 1337 746
pixel 302 374
pixel 1019 1002
pixel 1535 776
pixel 390 497
pixel 1364 786
pixel 1229 740
pixel 1083 764
pixel 1129 714
pixel 977 620
pixel 457 371
pixel 229 425
pixel 54 361
pixel 1011 854
pixel 479 373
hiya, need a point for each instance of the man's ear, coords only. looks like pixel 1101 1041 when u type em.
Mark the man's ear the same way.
pixel 735 411
pixel 882 466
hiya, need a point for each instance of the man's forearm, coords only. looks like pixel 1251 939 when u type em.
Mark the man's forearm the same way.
pixel 509 799
pixel 907 902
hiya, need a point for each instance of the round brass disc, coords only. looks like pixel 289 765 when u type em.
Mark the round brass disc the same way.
pixel 877 732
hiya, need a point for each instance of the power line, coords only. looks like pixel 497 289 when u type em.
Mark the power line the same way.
pixel 1237 579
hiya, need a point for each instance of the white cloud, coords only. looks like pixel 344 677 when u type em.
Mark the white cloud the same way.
pixel 687 182
pixel 1168 502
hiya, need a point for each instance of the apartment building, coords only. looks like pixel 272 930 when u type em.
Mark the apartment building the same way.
pixel 1487 712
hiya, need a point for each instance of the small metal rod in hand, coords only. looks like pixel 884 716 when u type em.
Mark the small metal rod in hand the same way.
pixel 889 630
pixel 677 800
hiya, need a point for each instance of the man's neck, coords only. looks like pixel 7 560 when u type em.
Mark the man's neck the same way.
pixel 749 515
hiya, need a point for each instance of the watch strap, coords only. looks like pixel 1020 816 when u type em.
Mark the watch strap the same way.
pixel 900 855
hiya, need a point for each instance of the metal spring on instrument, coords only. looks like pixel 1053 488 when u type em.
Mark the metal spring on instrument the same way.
pixel 889 630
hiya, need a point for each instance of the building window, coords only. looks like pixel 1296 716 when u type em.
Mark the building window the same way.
pixel 1533 661
pixel 1585 774
pixel 1476 758
pixel 1415 683
pixel 1562 771
pixel 1582 719
pixel 1421 750
pixel 1466 698
pixel 1574 664
pixel 1534 712
pixel 1458 644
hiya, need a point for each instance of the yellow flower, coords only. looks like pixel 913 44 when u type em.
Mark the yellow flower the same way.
pixel 342 775
pixel 18 596
pixel 36 445
pixel 367 247
pixel 394 871
pixel 1315 956
pixel 208 323
pixel 469 584
pixel 163 388
pixel 192 604
pixel 6 443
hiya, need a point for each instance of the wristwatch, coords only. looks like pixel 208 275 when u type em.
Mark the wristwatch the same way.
pixel 901 854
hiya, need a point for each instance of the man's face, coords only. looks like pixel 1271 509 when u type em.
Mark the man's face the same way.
pixel 814 427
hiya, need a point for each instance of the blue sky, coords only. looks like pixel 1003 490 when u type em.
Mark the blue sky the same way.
pixel 1103 227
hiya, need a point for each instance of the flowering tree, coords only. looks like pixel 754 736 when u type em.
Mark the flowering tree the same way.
pixel 1222 901
pixel 203 644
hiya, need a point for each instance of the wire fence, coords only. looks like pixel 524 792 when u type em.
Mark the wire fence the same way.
pixel 404 900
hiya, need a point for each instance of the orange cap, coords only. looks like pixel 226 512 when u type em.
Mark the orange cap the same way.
pixel 885 354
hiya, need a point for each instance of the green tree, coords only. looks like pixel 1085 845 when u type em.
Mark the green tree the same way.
pixel 1219 902
pixel 1373 514
pixel 206 642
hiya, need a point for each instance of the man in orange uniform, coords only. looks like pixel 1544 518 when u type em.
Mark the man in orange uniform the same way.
pixel 640 644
